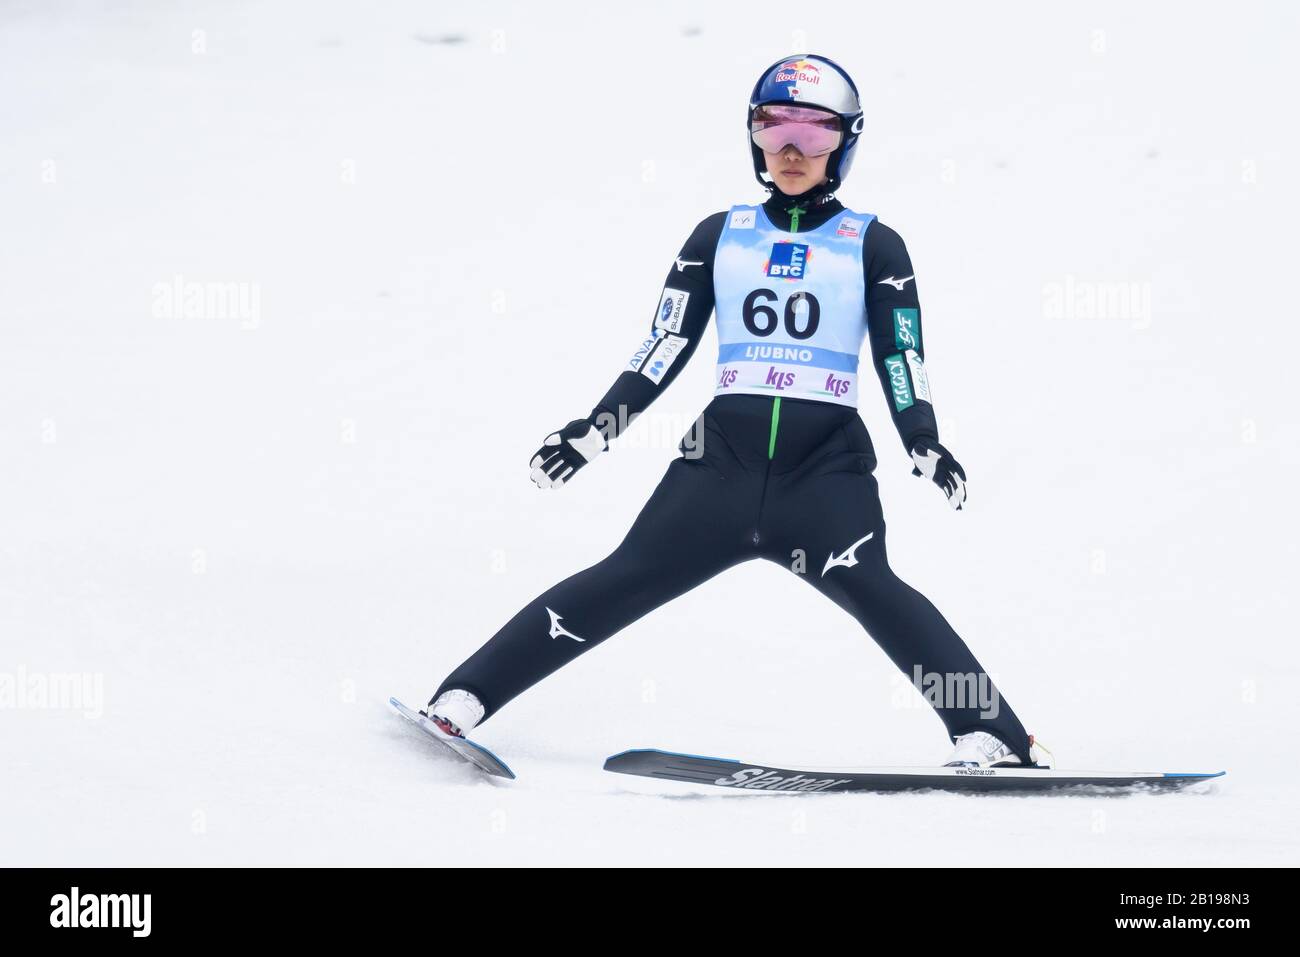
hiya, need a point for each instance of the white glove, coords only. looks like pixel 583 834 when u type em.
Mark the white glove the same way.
pixel 937 464
pixel 566 451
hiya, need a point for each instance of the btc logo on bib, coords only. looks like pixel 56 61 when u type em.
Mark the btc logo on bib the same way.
pixel 788 261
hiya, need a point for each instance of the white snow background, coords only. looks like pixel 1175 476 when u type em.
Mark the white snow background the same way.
pixel 454 222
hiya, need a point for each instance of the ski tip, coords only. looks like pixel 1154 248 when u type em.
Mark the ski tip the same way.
pixel 1203 775
pixel 614 759
pixel 500 769
pixel 617 762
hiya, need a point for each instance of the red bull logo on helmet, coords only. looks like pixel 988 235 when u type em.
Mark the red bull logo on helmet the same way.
pixel 798 71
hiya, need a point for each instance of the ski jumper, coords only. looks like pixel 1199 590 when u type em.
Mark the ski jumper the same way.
pixel 779 462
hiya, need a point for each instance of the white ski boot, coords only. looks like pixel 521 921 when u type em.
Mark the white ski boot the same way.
pixel 979 749
pixel 455 712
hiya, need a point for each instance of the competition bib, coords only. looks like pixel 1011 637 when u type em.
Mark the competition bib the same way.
pixel 790 307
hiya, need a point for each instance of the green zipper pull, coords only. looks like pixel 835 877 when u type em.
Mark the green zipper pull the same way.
pixel 776 416
pixel 795 212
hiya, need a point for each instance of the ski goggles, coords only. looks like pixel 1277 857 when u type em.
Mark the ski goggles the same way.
pixel 813 132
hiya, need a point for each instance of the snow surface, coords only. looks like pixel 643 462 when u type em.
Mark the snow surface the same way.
pixel 253 530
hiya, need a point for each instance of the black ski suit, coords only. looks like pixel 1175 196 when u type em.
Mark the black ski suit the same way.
pixel 760 477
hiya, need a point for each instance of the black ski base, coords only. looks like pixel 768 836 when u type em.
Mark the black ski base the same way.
pixel 748 776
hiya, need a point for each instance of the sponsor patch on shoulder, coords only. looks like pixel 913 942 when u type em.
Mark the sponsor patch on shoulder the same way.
pixel 742 219
pixel 672 307
pixel 849 227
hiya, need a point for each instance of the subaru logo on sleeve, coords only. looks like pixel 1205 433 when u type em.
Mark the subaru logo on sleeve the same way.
pixel 788 261
pixel 672 309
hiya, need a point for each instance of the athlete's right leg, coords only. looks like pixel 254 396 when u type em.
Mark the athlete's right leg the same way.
pixel 828 505
pixel 695 525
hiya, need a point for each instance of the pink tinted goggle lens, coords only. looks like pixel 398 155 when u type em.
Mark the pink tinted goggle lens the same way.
pixel 813 132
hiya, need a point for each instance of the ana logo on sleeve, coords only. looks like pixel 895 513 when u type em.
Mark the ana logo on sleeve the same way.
pixel 642 351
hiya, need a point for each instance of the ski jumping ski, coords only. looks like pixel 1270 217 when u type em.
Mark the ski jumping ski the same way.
pixel 749 776
pixel 475 754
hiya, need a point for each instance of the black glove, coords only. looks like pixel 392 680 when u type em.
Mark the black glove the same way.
pixel 566 451
pixel 937 464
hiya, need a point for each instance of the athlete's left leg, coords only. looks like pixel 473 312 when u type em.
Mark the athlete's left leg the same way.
pixel 830 507
pixel 694 526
